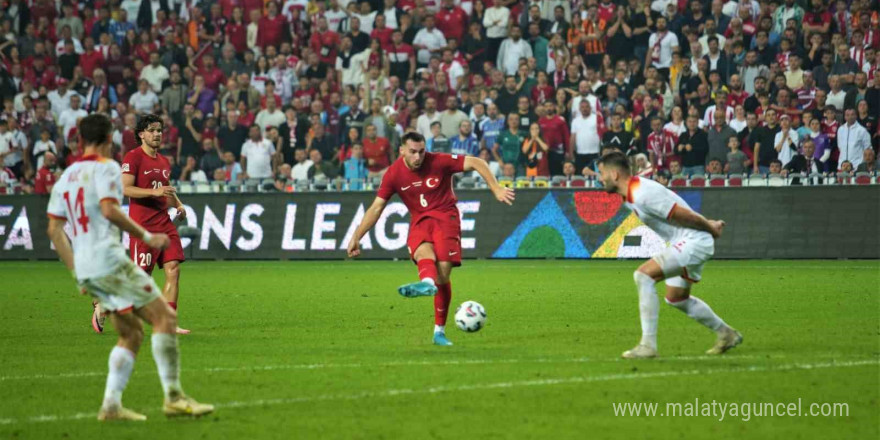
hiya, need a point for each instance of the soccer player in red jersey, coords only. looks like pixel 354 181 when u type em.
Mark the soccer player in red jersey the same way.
pixel 424 183
pixel 145 175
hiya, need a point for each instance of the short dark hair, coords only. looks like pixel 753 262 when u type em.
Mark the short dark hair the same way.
pixel 412 136
pixel 95 128
pixel 615 159
pixel 144 123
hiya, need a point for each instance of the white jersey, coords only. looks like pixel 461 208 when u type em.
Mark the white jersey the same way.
pixel 76 197
pixel 653 204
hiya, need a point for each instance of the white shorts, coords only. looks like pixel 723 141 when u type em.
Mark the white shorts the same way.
pixel 682 262
pixel 127 288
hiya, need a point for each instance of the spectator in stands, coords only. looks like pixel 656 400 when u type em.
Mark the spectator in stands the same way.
pixel 786 141
pixel 68 119
pixel 465 142
pixel 191 171
pixel 508 145
pixel 9 152
pixel 191 132
pixel 173 97
pixel 300 169
pixel 804 162
pixel 675 168
pixel 355 167
pixel 377 152
pixel 737 162
pixel 257 155
pixel 535 152
pixel 231 136
pixel 869 162
pixel 763 141
pixel 585 135
pixel 852 139
pixel 231 168
pixel 714 167
pixel 210 160
pixel 451 118
pixel 46 175
pixel 436 142
pixel 144 100
pixel 320 168
pixel 693 147
pixel 775 168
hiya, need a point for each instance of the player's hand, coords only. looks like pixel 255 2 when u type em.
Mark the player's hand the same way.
pixel 159 241
pixel 504 195
pixel 181 214
pixel 354 248
pixel 717 226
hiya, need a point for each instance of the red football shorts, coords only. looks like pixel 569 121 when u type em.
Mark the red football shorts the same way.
pixel 146 257
pixel 444 233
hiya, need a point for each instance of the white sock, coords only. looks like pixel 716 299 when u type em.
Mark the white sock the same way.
pixel 121 365
pixel 649 308
pixel 168 363
pixel 429 281
pixel 440 329
pixel 699 311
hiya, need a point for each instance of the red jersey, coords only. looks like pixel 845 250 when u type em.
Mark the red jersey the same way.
pixel 149 172
pixel 663 146
pixel 270 31
pixel 426 192
pixel 237 33
pixel 606 11
pixel 452 22
pixel 325 45
pixel 378 151
pixel 43 180
pixel 556 133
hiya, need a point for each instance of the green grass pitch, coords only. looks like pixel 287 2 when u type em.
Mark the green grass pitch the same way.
pixel 329 350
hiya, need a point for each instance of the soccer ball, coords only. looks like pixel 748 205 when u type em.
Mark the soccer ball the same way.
pixel 470 316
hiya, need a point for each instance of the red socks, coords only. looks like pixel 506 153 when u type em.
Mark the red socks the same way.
pixel 427 269
pixel 441 303
pixel 173 305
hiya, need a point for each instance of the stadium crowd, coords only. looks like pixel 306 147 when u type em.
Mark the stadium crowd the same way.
pixel 297 89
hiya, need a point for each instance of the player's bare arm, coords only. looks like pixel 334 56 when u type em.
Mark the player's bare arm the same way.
pixel 370 219
pixel 111 211
pixel 504 195
pixel 691 219
pixel 130 190
pixel 59 239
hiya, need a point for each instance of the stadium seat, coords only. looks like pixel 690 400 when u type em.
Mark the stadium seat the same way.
pixel 816 179
pixel 577 182
pixel 185 187
pixel 776 180
pixel 375 182
pixel 559 181
pixel 505 182
pixel 697 180
pixel 233 187
pixel 467 182
pixel 202 187
pixel 321 183
pixel 251 185
pixel 678 181
pixel 3 189
pixel 862 178
pixel 301 185
pixel 757 180
pixel 717 180
pixel 541 182
pixel 218 187
pixel 355 184
pixel 523 182
pixel 843 178
pixel 735 180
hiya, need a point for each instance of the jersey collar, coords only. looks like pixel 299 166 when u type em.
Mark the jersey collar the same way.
pixel 631 188
pixel 89 157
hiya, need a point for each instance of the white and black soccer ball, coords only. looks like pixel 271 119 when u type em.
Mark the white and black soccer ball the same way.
pixel 470 316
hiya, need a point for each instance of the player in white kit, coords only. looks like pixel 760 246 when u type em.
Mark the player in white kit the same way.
pixel 87 196
pixel 690 241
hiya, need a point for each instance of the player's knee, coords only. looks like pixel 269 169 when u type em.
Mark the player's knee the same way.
pixel 132 338
pixel 172 271
pixel 642 278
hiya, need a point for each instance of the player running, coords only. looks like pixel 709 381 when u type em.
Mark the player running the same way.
pixel 424 183
pixel 145 175
pixel 88 195
pixel 691 239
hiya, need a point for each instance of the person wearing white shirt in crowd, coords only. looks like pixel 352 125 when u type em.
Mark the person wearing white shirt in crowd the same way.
pixel 837 95
pixel 720 102
pixel 10 155
pixel 334 15
pixel 585 135
pixel 512 50
pixel 496 20
pixel 42 146
pixel 430 116
pixel 145 100
pixel 428 41
pixel 852 139
pixel 257 155
pixel 59 99
pixel 68 118
pixel 786 141
pixel 300 171
pixel 661 44
pixel 155 73
pixel 270 116
pixel 367 18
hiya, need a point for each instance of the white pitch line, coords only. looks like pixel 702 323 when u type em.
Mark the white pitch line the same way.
pixel 375 365
pixel 482 386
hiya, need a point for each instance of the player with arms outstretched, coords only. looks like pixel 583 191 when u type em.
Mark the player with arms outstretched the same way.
pixel 424 183
pixel 87 196
pixel 691 239
pixel 145 175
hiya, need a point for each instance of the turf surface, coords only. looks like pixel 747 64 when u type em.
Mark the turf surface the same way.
pixel 329 350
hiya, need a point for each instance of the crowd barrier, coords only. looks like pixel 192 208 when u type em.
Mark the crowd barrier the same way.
pixel 769 222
